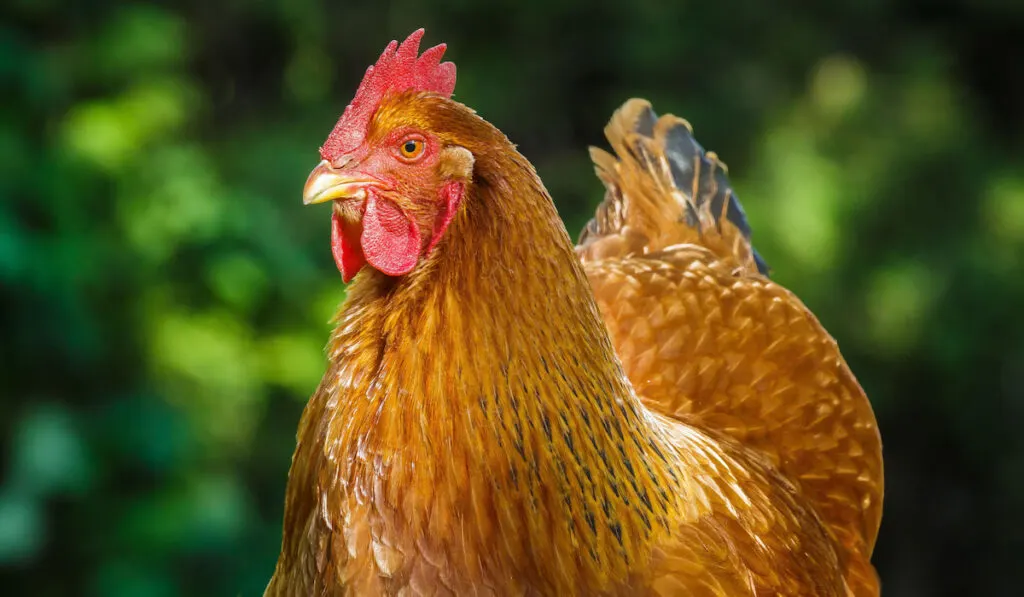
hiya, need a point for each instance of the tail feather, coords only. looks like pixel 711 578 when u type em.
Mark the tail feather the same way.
pixel 663 189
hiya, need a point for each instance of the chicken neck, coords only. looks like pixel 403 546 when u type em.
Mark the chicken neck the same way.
pixel 478 401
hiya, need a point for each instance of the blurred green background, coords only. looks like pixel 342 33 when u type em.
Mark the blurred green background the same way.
pixel 165 295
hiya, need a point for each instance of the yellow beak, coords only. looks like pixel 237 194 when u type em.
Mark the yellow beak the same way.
pixel 325 183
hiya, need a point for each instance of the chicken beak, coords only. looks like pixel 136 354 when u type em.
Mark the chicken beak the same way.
pixel 325 183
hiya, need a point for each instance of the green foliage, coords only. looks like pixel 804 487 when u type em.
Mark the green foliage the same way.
pixel 165 294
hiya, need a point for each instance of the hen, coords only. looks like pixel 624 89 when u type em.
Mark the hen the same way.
pixel 485 426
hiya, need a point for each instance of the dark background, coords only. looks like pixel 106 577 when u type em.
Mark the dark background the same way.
pixel 165 294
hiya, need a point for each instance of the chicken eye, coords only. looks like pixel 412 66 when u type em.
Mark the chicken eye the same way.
pixel 411 148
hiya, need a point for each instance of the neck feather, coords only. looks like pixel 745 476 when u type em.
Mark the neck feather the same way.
pixel 480 402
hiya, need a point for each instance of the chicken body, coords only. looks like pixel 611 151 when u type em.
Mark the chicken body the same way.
pixel 477 434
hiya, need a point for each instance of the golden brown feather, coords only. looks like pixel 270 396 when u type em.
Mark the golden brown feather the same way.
pixel 708 340
pixel 475 433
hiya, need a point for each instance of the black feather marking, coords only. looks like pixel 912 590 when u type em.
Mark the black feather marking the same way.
pixel 650 474
pixel 645 518
pixel 616 529
pixel 762 265
pixel 657 451
pixel 682 150
pixel 641 154
pixel 585 416
pixel 646 499
pixel 500 409
pixel 684 153
pixel 636 488
pixel 518 442
pixel 734 213
pixel 591 521
pixel 618 431
pixel 581 486
pixel 645 122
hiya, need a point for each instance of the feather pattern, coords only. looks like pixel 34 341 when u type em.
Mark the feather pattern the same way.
pixel 664 190
pixel 708 340
pixel 645 414
pixel 476 435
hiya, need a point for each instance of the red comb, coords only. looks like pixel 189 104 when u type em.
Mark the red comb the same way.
pixel 398 69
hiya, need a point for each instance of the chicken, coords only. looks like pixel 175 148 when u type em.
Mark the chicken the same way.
pixel 487 427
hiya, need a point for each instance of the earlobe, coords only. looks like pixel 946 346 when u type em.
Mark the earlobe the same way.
pixel 456 163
